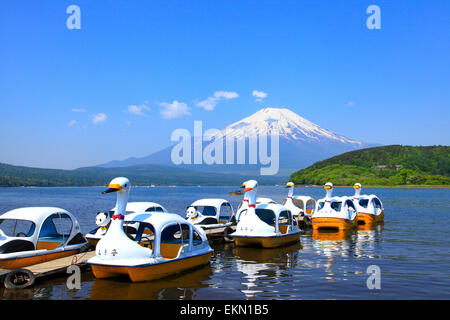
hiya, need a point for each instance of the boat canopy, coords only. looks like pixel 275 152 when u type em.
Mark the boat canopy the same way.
pixel 143 207
pixel 275 215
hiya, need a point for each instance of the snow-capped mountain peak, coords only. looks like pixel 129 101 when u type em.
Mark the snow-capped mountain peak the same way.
pixel 282 122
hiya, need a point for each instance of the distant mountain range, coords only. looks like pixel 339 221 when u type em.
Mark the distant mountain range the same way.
pixel 301 143
pixel 143 175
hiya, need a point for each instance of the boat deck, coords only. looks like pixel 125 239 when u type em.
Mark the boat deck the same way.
pixel 55 267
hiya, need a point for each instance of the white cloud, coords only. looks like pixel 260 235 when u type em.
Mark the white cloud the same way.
pixel 174 110
pixel 99 118
pixel 72 123
pixel 259 94
pixel 207 104
pixel 225 95
pixel 137 110
pixel 350 103
pixel 79 110
pixel 211 102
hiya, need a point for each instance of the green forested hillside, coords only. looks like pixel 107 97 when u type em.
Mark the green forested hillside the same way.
pixel 382 166
pixel 14 176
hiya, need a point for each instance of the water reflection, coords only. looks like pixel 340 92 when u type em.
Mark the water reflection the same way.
pixel 368 240
pixel 178 287
pixel 264 265
pixel 333 245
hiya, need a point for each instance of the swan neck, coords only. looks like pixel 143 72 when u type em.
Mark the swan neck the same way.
pixel 291 192
pixel 121 207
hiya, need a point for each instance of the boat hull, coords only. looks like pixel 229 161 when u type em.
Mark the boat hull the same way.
pixel 15 263
pixel 367 218
pixel 150 272
pixel 266 242
pixel 94 241
pixel 333 223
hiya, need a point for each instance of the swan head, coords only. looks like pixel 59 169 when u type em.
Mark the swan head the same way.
pixel 357 186
pixel 120 184
pixel 191 212
pixel 250 185
pixel 289 185
pixel 250 191
pixel 102 219
pixel 328 186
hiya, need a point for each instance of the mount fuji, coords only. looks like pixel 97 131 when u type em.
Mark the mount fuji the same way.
pixel 301 143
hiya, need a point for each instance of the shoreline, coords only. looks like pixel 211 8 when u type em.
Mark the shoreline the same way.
pixel 231 186
pixel 383 187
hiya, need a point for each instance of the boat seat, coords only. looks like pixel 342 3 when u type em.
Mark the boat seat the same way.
pixel 170 250
pixel 209 220
pixel 283 228
pixel 51 242
pixel 146 244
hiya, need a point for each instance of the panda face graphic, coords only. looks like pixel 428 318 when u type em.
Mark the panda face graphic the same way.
pixel 191 212
pixel 102 219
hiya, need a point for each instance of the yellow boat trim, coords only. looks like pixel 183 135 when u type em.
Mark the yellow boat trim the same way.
pixel 94 241
pixel 15 263
pixel 367 218
pixel 332 223
pixel 266 242
pixel 150 272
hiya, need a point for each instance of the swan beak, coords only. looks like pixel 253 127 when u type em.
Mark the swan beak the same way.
pixel 327 187
pixel 112 188
pixel 356 187
pixel 248 189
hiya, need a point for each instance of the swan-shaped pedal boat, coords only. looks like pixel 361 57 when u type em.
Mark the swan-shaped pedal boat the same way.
pixel 103 219
pixel 164 244
pixel 243 205
pixel 216 216
pixel 211 213
pixel 334 212
pixel 370 208
pixel 300 206
pixel 38 234
pixel 268 225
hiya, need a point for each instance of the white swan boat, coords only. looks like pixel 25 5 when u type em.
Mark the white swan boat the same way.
pixel 103 219
pixel 267 225
pixel 302 207
pixel 38 234
pixel 164 244
pixel 243 205
pixel 370 208
pixel 334 212
pixel 210 213
pixel 215 216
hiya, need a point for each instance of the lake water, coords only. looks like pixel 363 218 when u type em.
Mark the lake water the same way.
pixel 411 249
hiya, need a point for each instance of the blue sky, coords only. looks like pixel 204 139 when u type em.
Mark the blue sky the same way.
pixel 132 61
